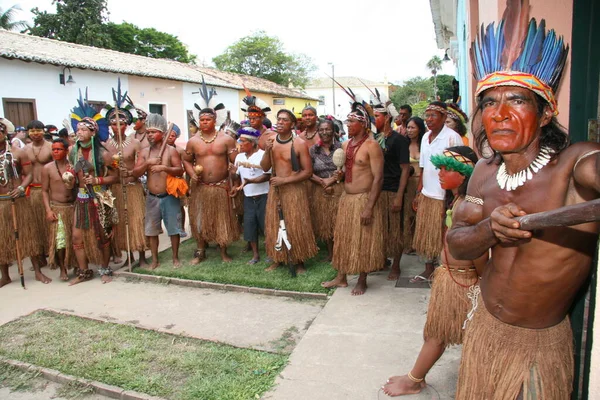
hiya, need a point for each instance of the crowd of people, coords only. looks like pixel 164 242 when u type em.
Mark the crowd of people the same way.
pixel 398 184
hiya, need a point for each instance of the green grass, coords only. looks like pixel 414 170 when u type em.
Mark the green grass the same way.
pixel 154 363
pixel 18 380
pixel 238 272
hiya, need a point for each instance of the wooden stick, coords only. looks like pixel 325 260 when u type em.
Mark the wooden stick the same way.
pixel 575 214
pixel 17 242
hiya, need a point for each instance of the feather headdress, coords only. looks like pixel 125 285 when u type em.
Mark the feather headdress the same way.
pixel 121 104
pixel 231 127
pixel 519 52
pixel 382 104
pixel 208 104
pixel 357 102
pixel 85 113
pixel 253 106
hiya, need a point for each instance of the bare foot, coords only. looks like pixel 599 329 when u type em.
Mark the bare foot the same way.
pixel 53 266
pixel 399 385
pixel 300 269
pixel 337 282
pixel 106 279
pixel 176 263
pixel 394 274
pixel 82 276
pixel 360 288
pixel 225 257
pixel 154 265
pixel 199 256
pixel 143 263
pixel 42 278
pixel 64 276
pixel 272 267
pixel 255 260
pixel 5 281
pixel 117 260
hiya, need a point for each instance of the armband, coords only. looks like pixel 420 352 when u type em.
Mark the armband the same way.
pixel 474 200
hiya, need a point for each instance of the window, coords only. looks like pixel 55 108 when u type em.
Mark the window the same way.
pixel 157 109
pixel 279 102
pixel 321 100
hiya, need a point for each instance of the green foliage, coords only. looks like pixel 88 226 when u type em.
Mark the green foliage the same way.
pixel 434 65
pixel 75 21
pixel 238 272
pixel 86 22
pixel 264 57
pixel 150 362
pixel 7 19
pixel 419 108
pixel 420 89
pixel 147 42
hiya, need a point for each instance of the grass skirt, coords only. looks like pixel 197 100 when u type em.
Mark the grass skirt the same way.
pixel 86 219
pixel 449 304
pixel 136 209
pixel 358 248
pixel 408 214
pixel 429 227
pixel 498 360
pixel 238 202
pixel 26 225
pixel 393 225
pixel 294 202
pixel 323 210
pixel 39 215
pixel 211 214
pixel 64 211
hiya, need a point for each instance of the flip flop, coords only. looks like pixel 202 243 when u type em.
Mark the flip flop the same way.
pixel 419 279
pixel 253 261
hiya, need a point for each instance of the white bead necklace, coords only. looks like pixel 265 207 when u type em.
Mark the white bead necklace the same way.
pixel 511 182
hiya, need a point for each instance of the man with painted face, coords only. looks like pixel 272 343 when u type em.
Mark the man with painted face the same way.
pixel 95 212
pixel 13 187
pixel 39 151
pixel 140 127
pixel 310 120
pixel 256 110
pixel 519 342
pixel 59 198
pixel 291 168
pixel 358 247
pixel 124 160
pixel 160 205
pixel 212 218
pixel 427 240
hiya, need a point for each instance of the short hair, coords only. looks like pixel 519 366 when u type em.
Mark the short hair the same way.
pixel 406 107
pixel 309 108
pixel 63 133
pixel 62 141
pixel 50 128
pixel 288 112
pixel 439 104
pixel 35 124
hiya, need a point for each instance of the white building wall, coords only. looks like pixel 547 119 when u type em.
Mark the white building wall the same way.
pixel 229 97
pixel 54 101
pixel 342 100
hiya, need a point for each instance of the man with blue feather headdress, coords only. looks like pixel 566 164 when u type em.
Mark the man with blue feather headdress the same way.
pixel 518 340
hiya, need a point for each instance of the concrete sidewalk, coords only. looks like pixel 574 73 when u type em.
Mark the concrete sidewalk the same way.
pixel 357 342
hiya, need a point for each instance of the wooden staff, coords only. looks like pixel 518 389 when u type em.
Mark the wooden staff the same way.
pixel 13 207
pixel 575 214
pixel 123 188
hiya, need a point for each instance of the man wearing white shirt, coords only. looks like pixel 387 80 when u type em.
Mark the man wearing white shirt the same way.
pixel 255 183
pixel 430 195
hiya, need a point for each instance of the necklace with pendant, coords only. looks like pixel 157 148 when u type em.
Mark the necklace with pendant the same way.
pixel 211 140
pixel 510 182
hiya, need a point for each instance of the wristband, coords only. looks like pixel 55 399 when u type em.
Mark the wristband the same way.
pixel 21 189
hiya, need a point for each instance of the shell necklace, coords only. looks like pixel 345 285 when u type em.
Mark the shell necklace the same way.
pixel 511 182
pixel 210 140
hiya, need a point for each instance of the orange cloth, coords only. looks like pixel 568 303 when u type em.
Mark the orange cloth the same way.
pixel 176 186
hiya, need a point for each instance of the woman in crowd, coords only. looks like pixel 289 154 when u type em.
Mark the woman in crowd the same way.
pixel 325 190
pixel 415 129
pixel 457 121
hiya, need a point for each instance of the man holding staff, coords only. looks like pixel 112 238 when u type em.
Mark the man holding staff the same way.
pixel 519 342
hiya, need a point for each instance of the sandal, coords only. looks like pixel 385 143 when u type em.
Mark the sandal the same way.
pixel 419 279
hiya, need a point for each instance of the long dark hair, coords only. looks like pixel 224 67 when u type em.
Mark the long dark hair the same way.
pixel 553 135
pixel 421 125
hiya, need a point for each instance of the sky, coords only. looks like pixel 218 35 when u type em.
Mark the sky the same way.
pixel 388 39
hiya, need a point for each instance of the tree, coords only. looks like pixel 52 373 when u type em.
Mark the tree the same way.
pixel 263 56
pixel 7 19
pixel 434 65
pixel 444 84
pixel 412 91
pixel 147 42
pixel 75 21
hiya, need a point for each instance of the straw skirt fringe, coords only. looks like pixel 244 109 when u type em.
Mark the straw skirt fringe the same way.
pixel 429 227
pixel 39 213
pixel 408 214
pixel 393 238
pixel 500 360
pixel 448 305
pixel 212 217
pixel 358 248
pixel 323 210
pixel 294 202
pixel 136 210
pixel 26 225
pixel 64 211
